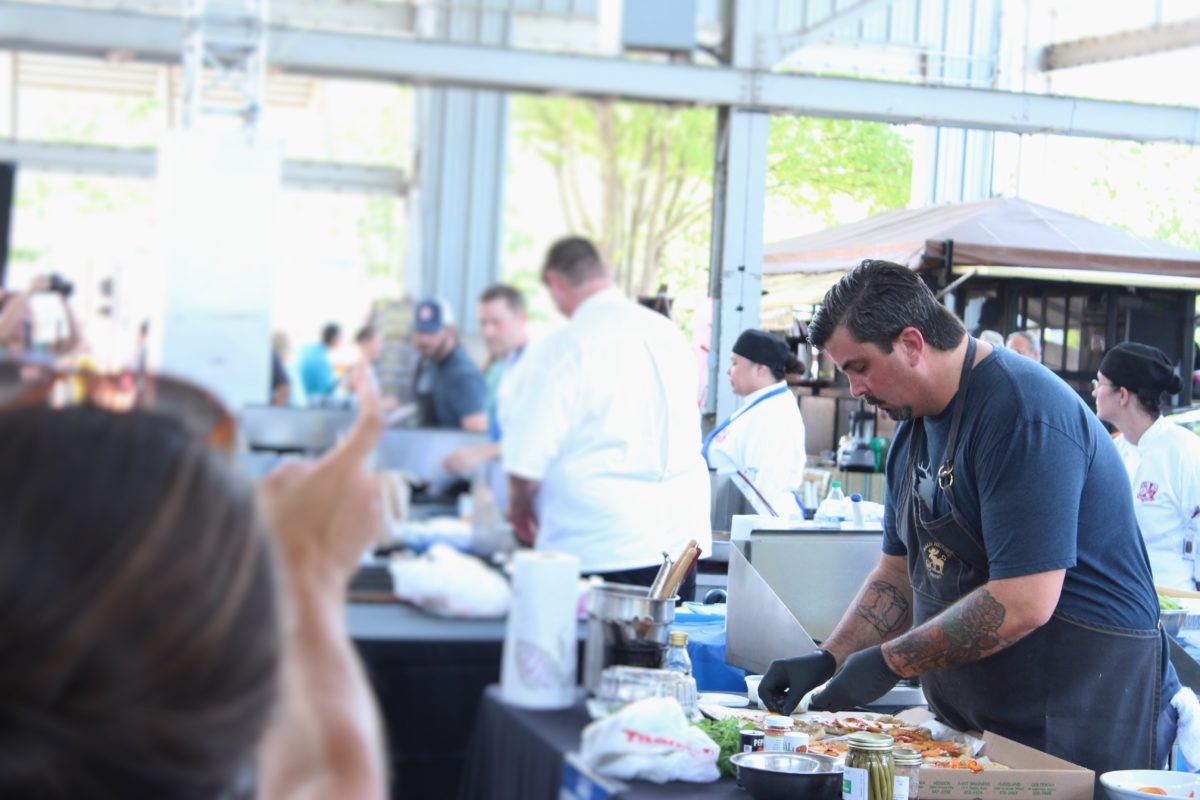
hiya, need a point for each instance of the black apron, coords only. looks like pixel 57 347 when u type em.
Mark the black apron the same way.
pixel 1084 692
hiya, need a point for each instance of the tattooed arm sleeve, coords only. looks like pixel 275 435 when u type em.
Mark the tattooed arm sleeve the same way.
pixel 988 619
pixel 881 611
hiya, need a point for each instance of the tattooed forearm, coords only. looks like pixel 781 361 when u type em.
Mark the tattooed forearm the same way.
pixel 884 607
pixel 965 632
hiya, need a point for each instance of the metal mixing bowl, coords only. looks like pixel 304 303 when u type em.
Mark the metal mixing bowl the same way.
pixel 786 776
pixel 1172 621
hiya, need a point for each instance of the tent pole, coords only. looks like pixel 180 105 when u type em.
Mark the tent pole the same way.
pixel 957 283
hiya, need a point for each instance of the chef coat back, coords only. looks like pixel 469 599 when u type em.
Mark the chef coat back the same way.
pixel 603 413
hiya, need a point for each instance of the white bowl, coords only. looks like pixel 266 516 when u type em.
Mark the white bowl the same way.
pixel 1124 784
pixel 752 682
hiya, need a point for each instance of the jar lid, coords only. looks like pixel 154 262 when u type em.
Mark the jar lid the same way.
pixel 777 721
pixel 908 757
pixel 870 741
pixel 677 638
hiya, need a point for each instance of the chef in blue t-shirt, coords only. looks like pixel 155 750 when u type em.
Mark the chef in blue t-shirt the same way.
pixel 1013 579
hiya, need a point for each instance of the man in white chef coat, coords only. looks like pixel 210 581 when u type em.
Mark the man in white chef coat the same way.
pixel 602 431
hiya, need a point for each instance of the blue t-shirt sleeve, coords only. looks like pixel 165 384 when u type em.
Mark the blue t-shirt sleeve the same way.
pixel 467 394
pixel 892 543
pixel 1030 479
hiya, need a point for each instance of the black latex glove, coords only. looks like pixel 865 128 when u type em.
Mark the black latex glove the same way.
pixel 789 679
pixel 864 678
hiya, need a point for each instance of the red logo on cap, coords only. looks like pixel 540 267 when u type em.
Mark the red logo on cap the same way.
pixel 1147 491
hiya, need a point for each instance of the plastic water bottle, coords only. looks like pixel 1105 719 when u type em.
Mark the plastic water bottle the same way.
pixel 856 510
pixel 677 658
pixel 833 507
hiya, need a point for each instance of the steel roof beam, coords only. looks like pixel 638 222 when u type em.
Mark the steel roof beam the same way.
pixel 1123 44
pixel 132 162
pixel 84 32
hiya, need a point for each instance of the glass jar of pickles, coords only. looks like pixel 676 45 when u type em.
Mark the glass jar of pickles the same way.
pixel 870 770
pixel 908 774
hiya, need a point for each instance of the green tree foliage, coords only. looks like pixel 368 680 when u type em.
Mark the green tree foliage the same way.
pixel 812 162
pixel 632 177
pixel 1150 189
pixel 637 178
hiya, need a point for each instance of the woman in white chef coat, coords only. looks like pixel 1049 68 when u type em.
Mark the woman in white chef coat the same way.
pixel 764 438
pixel 1163 458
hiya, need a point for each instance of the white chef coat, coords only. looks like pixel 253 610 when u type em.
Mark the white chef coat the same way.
pixel 1166 499
pixel 765 440
pixel 603 413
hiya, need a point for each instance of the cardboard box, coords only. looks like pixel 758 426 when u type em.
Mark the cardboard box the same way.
pixel 1031 773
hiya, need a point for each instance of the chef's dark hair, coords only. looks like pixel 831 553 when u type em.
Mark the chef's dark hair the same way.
pixel 510 295
pixel 330 333
pixel 876 301
pixel 576 259
pixel 137 610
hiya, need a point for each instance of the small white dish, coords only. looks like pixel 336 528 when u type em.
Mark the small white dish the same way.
pixel 1124 784
pixel 723 699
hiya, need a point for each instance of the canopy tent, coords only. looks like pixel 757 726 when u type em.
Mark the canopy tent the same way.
pixel 1001 232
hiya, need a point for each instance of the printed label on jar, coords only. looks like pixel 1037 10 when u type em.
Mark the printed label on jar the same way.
pixel 900 787
pixel 854 783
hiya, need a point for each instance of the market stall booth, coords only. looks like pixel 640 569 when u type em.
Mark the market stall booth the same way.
pixel 1006 264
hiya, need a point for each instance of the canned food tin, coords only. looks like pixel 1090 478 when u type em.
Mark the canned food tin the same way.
pixel 752 741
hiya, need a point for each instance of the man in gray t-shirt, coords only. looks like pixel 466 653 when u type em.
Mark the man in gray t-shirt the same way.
pixel 450 388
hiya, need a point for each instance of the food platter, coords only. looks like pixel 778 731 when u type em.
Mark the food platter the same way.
pixel 939 746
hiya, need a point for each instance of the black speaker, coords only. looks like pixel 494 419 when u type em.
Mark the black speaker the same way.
pixel 8 190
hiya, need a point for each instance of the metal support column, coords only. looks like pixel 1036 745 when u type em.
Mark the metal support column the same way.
pixel 954 165
pixel 735 281
pixel 8 94
pixel 458 210
pixel 739 193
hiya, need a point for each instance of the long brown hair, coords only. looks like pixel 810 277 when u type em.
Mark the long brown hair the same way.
pixel 138 615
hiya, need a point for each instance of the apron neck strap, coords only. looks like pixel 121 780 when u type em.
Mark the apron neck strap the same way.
pixel 945 475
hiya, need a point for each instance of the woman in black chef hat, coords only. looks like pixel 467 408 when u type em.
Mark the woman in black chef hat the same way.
pixel 1162 458
pixel 764 438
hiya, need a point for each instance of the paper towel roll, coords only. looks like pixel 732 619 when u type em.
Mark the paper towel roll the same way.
pixel 540 642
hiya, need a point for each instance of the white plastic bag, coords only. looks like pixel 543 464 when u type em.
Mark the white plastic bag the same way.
pixel 443 581
pixel 650 740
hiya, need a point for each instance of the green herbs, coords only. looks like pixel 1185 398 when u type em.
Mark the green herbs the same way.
pixel 725 734
pixel 1168 603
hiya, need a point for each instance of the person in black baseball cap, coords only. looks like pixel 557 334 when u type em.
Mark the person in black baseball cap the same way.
pixel 764 438
pixel 1162 458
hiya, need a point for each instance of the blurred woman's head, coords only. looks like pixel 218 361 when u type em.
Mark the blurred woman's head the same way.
pixel 137 610
pixel 370 342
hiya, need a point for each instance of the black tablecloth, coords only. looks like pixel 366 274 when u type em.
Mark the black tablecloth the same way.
pixel 428 674
pixel 517 754
pixel 428 693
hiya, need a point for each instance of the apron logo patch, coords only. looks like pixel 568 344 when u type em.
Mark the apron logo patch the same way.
pixel 935 561
pixel 1147 491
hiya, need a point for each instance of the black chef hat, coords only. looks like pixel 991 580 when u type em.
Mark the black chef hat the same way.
pixel 763 348
pixel 1140 368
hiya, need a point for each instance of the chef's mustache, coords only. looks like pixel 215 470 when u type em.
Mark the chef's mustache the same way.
pixel 895 413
